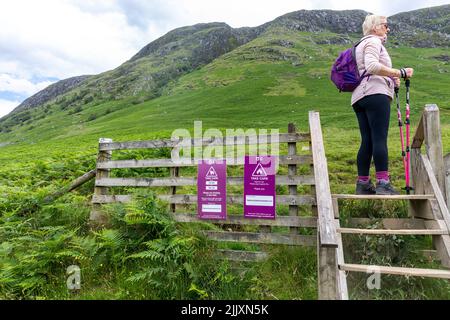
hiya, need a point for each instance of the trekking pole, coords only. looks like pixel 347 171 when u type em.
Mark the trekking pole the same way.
pixel 407 122
pixel 400 125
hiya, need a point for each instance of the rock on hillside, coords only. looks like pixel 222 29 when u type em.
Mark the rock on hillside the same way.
pixel 213 40
pixel 167 58
pixel 342 22
pixel 51 92
pixel 427 28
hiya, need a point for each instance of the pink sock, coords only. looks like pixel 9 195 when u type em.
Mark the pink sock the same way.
pixel 383 175
pixel 363 179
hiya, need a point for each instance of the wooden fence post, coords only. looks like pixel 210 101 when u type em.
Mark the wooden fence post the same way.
pixel 292 171
pixel 97 217
pixel 447 177
pixel 174 172
pixel 433 143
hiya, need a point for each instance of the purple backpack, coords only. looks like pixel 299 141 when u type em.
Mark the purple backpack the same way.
pixel 344 72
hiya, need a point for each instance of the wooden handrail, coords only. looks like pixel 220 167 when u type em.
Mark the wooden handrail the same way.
pixel 327 228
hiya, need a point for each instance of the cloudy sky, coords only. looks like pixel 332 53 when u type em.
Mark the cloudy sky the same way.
pixel 48 40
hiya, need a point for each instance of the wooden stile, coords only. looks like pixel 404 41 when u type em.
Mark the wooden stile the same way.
pixel 428 207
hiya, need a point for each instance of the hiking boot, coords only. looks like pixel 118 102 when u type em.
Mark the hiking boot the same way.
pixel 365 188
pixel 385 188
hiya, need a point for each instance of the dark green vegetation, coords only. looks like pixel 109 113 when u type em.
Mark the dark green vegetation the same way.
pixel 260 79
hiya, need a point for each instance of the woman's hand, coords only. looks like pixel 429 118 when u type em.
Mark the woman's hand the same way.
pixel 406 73
pixel 409 72
pixel 396 82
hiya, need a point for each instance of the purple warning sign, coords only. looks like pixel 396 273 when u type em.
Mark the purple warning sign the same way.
pixel 212 189
pixel 259 187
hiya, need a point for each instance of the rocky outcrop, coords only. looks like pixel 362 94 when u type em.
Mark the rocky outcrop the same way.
pixel 51 92
pixel 424 28
pixel 211 39
pixel 342 22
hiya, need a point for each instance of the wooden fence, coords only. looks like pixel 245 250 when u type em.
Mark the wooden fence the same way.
pixel 296 193
pixel 307 212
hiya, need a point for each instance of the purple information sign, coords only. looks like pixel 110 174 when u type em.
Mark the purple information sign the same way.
pixel 212 189
pixel 259 187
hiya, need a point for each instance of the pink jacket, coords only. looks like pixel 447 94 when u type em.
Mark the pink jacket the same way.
pixel 370 55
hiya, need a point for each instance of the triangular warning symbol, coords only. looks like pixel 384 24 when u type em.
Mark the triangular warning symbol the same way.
pixel 211 173
pixel 259 171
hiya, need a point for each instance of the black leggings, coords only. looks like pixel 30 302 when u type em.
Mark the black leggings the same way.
pixel 373 114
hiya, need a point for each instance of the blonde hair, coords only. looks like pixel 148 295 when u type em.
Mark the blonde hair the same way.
pixel 371 22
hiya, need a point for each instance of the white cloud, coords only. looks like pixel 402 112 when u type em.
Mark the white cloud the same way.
pixel 7 106
pixel 58 39
pixel 21 86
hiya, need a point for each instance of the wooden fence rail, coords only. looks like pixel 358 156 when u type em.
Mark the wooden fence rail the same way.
pixel 177 185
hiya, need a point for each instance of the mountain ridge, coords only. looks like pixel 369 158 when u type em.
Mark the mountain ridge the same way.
pixel 185 49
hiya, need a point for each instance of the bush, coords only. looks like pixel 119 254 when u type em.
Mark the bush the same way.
pixel 92 117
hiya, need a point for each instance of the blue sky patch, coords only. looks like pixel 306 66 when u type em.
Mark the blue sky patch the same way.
pixel 12 96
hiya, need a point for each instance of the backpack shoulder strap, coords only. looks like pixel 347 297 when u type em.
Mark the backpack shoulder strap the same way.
pixel 354 53
pixel 355 45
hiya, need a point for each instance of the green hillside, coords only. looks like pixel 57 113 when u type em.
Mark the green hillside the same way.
pixel 267 82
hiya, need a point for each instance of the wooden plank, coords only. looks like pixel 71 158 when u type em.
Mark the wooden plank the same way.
pixel 383 197
pixel 419 136
pixel 75 184
pixel 239 199
pixel 327 229
pixel 418 176
pixel 314 211
pixel 102 199
pixel 335 208
pixel 189 162
pixel 436 190
pixel 192 181
pixel 266 238
pixel 327 272
pixel 409 272
pixel 436 225
pixel 421 209
pixel 280 221
pixel 425 181
pixel 389 223
pixel 341 276
pixel 447 177
pixel 240 255
pixel 433 144
pixel 441 243
pixel 97 216
pixel 408 232
pixel 212 141
pixel 292 171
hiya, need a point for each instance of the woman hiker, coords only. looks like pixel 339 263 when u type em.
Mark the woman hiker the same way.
pixel 371 103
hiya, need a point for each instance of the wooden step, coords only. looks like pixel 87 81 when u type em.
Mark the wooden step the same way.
pixel 409 272
pixel 384 197
pixel 240 255
pixel 409 232
pixel 267 238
